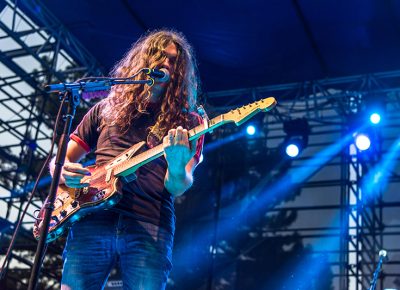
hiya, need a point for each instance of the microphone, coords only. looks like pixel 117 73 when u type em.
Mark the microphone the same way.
pixel 162 75
pixel 383 255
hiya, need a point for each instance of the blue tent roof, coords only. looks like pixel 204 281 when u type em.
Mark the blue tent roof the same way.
pixel 248 43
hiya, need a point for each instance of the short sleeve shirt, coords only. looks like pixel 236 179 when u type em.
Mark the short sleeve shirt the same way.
pixel 145 198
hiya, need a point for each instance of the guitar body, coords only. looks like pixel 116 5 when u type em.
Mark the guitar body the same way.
pixel 71 204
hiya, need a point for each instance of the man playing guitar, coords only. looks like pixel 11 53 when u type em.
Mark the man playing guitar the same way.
pixel 137 233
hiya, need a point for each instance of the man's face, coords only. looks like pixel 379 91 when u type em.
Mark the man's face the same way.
pixel 171 54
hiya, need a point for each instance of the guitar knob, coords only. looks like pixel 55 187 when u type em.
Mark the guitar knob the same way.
pixel 74 204
pixel 63 213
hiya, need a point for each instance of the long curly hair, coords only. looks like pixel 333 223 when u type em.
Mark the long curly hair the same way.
pixel 125 103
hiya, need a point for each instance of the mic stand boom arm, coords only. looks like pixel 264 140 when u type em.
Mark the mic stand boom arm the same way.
pixel 100 84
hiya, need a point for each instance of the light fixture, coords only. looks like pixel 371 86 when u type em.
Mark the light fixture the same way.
pixel 375 118
pixel 250 130
pixel 296 140
pixel 362 141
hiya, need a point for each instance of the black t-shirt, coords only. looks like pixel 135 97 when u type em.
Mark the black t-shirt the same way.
pixel 145 198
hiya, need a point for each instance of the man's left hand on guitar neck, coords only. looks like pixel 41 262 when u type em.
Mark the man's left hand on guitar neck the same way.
pixel 179 152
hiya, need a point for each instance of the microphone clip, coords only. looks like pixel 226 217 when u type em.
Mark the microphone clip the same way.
pixel 162 75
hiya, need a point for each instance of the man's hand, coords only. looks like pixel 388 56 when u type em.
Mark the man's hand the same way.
pixel 72 173
pixel 178 150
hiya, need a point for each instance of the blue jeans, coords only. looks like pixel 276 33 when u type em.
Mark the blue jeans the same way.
pixel 97 241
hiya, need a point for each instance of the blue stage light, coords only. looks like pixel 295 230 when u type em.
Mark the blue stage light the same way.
pixel 292 150
pixel 362 142
pixel 250 130
pixel 296 140
pixel 375 118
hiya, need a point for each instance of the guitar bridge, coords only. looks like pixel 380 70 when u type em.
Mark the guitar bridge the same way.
pixel 108 175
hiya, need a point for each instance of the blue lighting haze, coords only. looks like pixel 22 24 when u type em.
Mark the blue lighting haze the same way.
pixel 263 196
pixel 376 180
pixel 220 142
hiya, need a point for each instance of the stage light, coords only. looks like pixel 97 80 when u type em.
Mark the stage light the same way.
pixel 362 142
pixel 250 130
pixel 374 108
pixel 292 150
pixel 375 118
pixel 296 139
pixel 293 146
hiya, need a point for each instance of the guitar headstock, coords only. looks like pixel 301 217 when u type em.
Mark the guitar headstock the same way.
pixel 242 114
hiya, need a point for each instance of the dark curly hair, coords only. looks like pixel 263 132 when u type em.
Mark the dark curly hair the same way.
pixel 127 102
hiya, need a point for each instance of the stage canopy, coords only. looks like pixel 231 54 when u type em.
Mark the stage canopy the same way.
pixel 248 43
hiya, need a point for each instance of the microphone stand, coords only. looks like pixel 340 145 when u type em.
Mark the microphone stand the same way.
pixel 382 257
pixel 73 93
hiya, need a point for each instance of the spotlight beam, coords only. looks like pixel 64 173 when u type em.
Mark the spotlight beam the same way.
pixel 377 179
pixel 257 201
pixel 220 142
pixel 297 176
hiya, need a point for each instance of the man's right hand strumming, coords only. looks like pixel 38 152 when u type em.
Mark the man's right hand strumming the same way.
pixel 72 174
pixel 72 171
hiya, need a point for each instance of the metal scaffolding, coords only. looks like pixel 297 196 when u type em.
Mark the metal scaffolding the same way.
pixel 333 108
pixel 34 50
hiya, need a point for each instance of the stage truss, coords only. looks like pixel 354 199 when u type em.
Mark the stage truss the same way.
pixel 33 52
pixel 334 107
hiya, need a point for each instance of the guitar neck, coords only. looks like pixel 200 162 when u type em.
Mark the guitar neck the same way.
pixel 239 116
pixel 130 166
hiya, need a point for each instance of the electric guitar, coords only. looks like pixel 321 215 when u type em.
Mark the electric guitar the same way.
pixel 105 181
